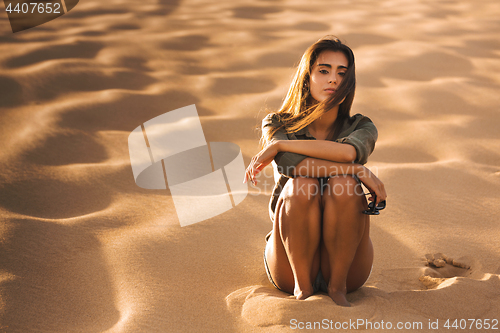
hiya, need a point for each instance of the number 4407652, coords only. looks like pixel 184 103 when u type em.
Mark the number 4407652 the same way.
pixel 463 324
pixel 35 7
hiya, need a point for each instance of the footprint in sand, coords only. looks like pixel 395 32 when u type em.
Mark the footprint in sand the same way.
pixel 440 268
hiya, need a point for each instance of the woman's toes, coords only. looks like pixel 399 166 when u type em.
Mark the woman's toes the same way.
pixel 339 298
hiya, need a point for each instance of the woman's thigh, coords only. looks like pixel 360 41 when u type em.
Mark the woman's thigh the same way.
pixel 276 256
pixel 361 266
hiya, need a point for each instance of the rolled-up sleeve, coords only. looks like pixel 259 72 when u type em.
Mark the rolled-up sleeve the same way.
pixel 363 139
pixel 285 161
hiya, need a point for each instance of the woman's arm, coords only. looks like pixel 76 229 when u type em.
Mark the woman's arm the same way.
pixel 360 143
pixel 315 168
pixel 307 164
pixel 322 149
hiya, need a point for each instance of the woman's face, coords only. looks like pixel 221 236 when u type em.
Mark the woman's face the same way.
pixel 327 74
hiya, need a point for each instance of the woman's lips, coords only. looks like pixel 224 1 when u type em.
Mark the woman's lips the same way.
pixel 331 91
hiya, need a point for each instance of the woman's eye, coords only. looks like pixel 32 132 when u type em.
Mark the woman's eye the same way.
pixel 323 71
pixel 342 74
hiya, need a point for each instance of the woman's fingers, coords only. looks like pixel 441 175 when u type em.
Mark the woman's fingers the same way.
pixel 378 194
pixel 252 170
pixel 382 194
pixel 247 174
pixel 250 174
pixel 259 162
pixel 259 168
pixel 375 186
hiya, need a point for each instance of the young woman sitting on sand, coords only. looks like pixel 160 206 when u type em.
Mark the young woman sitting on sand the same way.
pixel 320 239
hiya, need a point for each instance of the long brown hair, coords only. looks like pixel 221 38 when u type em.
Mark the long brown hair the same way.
pixel 295 114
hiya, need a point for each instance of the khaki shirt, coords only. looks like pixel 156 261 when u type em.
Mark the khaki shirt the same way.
pixel 358 131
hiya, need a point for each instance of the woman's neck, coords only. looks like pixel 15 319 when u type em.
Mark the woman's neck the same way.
pixel 325 123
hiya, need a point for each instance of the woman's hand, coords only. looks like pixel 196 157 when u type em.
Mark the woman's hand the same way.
pixel 373 184
pixel 260 161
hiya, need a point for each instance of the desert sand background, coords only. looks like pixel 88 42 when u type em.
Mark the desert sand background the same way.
pixel 83 249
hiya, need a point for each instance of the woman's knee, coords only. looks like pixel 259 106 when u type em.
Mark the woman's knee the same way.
pixel 302 190
pixel 343 189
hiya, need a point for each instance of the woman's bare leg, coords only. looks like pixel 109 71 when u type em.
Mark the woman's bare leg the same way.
pixel 347 254
pixel 292 252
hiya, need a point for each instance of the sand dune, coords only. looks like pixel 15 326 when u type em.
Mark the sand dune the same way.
pixel 84 249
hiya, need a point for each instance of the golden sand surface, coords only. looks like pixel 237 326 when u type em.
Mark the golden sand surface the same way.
pixel 84 249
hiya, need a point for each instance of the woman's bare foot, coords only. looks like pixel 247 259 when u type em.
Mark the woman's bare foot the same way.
pixel 338 297
pixel 301 294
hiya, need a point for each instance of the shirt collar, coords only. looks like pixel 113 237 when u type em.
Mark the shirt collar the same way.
pixel 304 131
pixel 345 128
